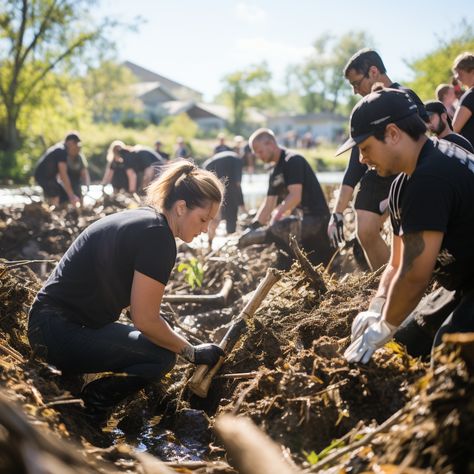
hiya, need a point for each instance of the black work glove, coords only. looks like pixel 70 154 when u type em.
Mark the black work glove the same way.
pixel 207 354
pixel 254 225
pixel 336 229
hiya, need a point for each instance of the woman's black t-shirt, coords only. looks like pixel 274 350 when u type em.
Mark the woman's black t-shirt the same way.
pixel 93 280
pixel 467 100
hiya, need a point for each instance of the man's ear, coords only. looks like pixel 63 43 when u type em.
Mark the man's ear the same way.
pixel 373 72
pixel 392 134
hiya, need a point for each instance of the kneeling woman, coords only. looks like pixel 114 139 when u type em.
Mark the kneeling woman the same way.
pixel 122 260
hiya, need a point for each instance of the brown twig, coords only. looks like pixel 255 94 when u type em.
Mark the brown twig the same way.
pixel 311 272
pixel 358 444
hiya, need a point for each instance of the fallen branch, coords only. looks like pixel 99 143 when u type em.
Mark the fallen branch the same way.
pixel 241 375
pixel 249 448
pixel 12 353
pixel 311 272
pixel 218 299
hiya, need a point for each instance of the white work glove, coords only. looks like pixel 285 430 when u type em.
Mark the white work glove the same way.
pixel 366 318
pixel 375 336
pixel 336 229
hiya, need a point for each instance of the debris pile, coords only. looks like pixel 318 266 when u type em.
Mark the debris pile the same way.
pixel 287 373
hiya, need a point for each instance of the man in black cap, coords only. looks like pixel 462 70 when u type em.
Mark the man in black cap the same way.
pixel 431 213
pixel 56 162
pixel 363 70
pixel 440 124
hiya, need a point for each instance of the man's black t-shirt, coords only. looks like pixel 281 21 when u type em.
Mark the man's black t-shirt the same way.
pixel 74 169
pixel 144 157
pixel 438 196
pixel 47 167
pixel 93 280
pixel 294 169
pixel 467 100
pixel 124 163
pixel 221 148
pixel 228 165
pixel 355 169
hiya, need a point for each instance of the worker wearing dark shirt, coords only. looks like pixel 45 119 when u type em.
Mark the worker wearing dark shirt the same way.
pixel 362 71
pixel 293 187
pixel 125 260
pixel 54 163
pixel 227 165
pixel 441 126
pixel 463 120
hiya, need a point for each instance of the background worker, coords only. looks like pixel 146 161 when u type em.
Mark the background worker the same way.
pixel 447 96
pixel 227 166
pixel 160 151
pixel 119 170
pixel 441 126
pixel 363 70
pixel 131 167
pixel 221 145
pixel 125 260
pixel 54 164
pixel 463 121
pixel 293 186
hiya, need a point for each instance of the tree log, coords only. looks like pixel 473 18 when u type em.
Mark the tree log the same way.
pixel 249 449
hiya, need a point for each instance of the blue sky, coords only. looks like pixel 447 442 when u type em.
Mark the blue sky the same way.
pixel 197 42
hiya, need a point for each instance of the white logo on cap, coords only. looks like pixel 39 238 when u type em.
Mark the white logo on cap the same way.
pixel 376 122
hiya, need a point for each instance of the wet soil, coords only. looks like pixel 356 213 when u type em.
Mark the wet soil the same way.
pixel 286 373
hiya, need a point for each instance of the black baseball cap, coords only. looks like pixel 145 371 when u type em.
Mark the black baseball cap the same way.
pixel 437 107
pixel 374 111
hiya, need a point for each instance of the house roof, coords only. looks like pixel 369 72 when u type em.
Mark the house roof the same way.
pixel 143 88
pixel 176 107
pixel 147 76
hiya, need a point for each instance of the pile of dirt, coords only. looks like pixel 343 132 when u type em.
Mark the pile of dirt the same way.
pixel 291 377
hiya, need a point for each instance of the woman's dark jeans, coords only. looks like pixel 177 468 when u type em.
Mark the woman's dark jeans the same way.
pixel 74 348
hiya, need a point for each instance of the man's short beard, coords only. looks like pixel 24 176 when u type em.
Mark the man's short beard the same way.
pixel 440 128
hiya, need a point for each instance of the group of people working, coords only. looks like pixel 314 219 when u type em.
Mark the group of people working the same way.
pixel 425 184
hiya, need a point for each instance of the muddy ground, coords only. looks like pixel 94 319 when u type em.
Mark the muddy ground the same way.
pixel 286 373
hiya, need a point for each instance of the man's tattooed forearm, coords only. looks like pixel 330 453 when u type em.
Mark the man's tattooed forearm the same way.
pixel 414 245
pixel 187 352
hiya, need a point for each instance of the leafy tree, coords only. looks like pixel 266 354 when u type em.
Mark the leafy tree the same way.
pixel 434 68
pixel 247 88
pixel 319 79
pixel 108 87
pixel 38 37
pixel 179 126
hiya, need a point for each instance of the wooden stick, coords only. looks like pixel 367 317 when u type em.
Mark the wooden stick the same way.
pixel 250 450
pixel 219 298
pixel 308 268
pixel 202 377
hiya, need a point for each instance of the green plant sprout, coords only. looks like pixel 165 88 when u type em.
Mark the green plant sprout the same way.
pixel 194 272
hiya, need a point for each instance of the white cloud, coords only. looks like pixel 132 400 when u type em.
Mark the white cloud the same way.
pixel 250 13
pixel 261 48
